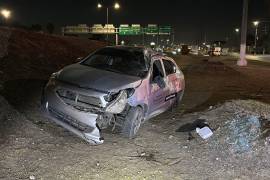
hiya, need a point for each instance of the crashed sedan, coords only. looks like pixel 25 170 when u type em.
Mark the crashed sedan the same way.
pixel 117 87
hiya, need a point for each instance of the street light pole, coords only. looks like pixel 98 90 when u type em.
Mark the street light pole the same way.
pixel 237 30
pixel 256 24
pixel 242 61
pixel 116 6
pixel 107 38
pixel 255 44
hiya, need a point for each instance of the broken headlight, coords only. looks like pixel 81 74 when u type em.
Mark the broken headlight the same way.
pixel 112 96
pixel 118 105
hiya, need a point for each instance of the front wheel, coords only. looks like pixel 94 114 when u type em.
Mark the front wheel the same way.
pixel 133 122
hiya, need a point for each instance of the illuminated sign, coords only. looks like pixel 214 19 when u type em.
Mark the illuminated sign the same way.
pixel 134 29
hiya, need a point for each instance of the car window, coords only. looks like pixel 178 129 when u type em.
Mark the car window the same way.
pixel 157 69
pixel 169 67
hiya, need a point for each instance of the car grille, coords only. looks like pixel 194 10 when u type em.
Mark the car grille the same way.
pixel 79 101
pixel 69 120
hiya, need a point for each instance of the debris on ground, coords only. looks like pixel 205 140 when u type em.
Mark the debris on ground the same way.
pixel 32 177
pixel 199 123
pixel 204 132
pixel 201 127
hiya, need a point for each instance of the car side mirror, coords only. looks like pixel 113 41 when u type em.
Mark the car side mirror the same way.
pixel 160 81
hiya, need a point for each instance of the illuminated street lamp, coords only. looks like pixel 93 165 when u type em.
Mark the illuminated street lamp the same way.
pixel 6 13
pixel 256 24
pixel 116 6
pixel 237 30
pixel 99 5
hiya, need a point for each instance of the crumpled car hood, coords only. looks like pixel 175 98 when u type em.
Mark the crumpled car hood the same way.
pixel 88 77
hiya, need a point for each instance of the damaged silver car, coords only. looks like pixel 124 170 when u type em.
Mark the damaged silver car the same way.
pixel 117 87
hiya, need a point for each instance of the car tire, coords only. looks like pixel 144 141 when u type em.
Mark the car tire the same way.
pixel 179 97
pixel 133 122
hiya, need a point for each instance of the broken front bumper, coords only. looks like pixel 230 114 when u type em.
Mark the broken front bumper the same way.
pixel 81 122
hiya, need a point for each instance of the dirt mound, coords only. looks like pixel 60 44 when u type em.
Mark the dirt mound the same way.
pixel 243 126
pixel 25 53
pixel 14 124
pixel 4 38
pixel 240 126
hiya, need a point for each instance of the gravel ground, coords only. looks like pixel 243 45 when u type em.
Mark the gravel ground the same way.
pixel 39 148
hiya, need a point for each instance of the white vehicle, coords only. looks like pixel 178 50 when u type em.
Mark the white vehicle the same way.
pixel 216 51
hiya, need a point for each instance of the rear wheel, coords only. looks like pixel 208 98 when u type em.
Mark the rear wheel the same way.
pixel 133 122
pixel 179 97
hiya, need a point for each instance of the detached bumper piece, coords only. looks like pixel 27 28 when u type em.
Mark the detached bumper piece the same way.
pixel 88 133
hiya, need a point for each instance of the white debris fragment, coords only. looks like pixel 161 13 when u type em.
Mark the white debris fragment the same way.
pixel 204 132
pixel 142 154
pixel 32 177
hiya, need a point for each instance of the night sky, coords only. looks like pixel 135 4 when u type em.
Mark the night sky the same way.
pixel 192 19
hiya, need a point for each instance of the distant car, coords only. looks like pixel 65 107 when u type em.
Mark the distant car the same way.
pixel 118 87
pixel 185 50
pixel 216 51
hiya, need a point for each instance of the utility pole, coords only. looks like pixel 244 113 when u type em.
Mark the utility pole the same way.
pixel 107 35
pixel 116 36
pixel 242 61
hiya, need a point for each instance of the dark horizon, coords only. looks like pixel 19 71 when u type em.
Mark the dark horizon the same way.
pixel 193 20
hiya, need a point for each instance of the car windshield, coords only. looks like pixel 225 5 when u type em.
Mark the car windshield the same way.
pixel 125 61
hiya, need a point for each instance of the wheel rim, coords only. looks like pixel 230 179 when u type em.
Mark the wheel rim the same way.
pixel 137 122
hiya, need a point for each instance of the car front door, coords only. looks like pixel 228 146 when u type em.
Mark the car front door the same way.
pixel 172 80
pixel 158 88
